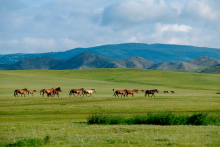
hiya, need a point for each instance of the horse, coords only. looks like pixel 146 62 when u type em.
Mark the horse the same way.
pixel 117 92
pixel 88 92
pixel 31 92
pixel 48 91
pixel 172 91
pixel 57 91
pixel 20 91
pixel 78 91
pixel 148 92
pixel 165 91
pixel 131 92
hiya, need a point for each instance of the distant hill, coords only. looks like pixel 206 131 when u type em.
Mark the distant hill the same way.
pixel 209 70
pixel 205 61
pixel 89 60
pixel 156 53
pixel 32 63
pixel 170 66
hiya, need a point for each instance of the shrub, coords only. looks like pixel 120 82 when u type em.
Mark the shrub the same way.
pixel 30 142
pixel 160 118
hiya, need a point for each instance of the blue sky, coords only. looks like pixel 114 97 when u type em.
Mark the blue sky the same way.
pixel 36 26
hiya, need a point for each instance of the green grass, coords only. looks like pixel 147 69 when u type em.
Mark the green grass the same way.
pixel 64 118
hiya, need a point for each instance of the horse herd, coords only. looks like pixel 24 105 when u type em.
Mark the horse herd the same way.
pixel 52 92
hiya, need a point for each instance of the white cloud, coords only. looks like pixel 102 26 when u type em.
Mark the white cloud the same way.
pixel 174 28
pixel 59 25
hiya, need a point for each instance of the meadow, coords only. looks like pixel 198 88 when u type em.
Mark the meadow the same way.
pixel 62 121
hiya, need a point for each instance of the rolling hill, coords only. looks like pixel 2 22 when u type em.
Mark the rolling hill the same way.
pixel 157 53
pixel 88 60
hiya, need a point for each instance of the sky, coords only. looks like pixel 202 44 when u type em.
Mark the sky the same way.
pixel 38 26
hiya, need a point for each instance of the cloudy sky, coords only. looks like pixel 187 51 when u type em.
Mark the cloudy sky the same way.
pixel 36 26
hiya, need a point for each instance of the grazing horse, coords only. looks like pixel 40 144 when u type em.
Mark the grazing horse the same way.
pixel 117 92
pixel 31 92
pixel 131 92
pixel 148 92
pixel 88 92
pixel 57 91
pixel 20 91
pixel 48 91
pixel 165 92
pixel 78 91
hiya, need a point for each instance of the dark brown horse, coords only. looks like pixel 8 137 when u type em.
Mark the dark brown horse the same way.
pixel 131 92
pixel 48 91
pixel 78 91
pixel 20 91
pixel 148 92
pixel 57 91
pixel 31 92
pixel 117 92
pixel 172 91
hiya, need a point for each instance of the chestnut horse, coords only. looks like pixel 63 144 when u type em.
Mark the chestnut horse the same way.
pixel 88 92
pixel 31 92
pixel 117 92
pixel 20 91
pixel 78 91
pixel 131 92
pixel 57 91
pixel 48 91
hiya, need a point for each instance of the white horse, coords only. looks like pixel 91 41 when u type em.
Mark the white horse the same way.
pixel 88 92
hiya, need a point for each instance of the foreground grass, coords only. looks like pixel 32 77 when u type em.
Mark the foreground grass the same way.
pixel 63 119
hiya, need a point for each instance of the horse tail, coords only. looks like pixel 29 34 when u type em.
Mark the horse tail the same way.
pixel 113 89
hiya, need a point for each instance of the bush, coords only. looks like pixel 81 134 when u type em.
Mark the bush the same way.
pixel 30 142
pixel 166 118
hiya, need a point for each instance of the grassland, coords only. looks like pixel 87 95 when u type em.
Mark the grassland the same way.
pixel 64 118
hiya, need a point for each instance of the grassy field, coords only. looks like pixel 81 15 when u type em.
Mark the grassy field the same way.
pixel 61 121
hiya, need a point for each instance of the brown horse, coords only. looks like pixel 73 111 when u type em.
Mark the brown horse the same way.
pixel 172 91
pixel 57 91
pixel 131 92
pixel 117 92
pixel 78 91
pixel 20 91
pixel 31 92
pixel 48 91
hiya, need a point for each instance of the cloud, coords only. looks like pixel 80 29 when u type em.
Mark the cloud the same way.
pixel 31 45
pixel 174 28
pixel 59 25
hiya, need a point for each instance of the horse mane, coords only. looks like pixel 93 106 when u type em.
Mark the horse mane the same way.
pixel 57 88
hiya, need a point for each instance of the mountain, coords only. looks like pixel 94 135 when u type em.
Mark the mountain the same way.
pixel 32 63
pixel 205 61
pixel 208 70
pixel 156 53
pixel 89 60
pixel 170 66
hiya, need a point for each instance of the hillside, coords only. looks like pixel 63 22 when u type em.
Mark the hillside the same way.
pixel 156 53
pixel 88 60
pixel 33 63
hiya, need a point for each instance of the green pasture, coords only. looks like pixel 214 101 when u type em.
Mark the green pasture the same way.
pixel 64 118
